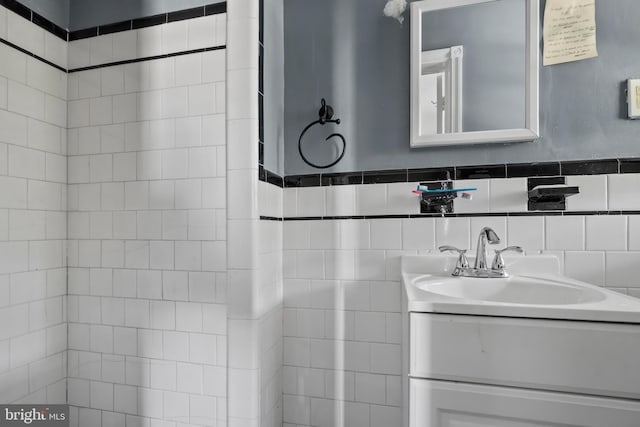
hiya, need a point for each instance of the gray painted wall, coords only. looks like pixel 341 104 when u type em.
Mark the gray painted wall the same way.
pixel 348 52
pixel 274 86
pixel 56 11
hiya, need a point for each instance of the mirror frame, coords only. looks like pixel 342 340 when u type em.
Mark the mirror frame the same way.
pixel 531 130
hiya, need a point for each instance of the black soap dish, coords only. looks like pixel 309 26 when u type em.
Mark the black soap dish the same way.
pixel 549 195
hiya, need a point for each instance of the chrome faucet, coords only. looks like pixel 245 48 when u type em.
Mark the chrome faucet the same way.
pixel 480 268
pixel 487 235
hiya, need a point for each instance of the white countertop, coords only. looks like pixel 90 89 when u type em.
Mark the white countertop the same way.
pixel 613 307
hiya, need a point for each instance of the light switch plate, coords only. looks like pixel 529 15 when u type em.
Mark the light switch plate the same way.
pixel 633 98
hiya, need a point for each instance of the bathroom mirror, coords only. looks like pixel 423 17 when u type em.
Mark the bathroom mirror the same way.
pixel 474 71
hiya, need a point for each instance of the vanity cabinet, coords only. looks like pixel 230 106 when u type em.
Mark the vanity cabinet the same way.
pixel 481 371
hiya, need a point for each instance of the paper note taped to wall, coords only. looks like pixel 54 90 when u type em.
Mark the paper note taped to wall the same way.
pixel 569 31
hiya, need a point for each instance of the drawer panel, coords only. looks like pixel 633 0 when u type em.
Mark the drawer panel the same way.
pixel 443 404
pixel 580 357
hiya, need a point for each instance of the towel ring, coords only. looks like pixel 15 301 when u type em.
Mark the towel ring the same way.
pixel 325 115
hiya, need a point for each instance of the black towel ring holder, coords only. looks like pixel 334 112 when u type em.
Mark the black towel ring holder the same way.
pixel 325 116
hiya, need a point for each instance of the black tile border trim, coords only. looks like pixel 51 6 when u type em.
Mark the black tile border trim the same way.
pixel 514 170
pixel 116 27
pixel 33 55
pixel 147 58
pixel 149 21
pixel 270 218
pixel 450 215
pixel 17 7
pixel 32 16
pixel 274 179
pixel 49 26
pixel 132 24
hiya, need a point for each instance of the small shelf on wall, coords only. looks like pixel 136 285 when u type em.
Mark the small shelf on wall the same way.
pixel 549 194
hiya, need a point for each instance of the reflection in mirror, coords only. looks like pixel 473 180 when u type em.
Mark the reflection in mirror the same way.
pixel 494 97
pixel 441 91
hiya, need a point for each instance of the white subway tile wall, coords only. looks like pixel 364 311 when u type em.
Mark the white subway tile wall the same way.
pixel 255 246
pixel 342 283
pixel 147 228
pixel 313 307
pixel 33 224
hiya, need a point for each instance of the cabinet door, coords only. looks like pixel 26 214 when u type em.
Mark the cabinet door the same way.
pixel 448 404
pixel 574 357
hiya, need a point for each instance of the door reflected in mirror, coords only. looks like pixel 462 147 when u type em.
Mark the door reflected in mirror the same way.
pixel 441 91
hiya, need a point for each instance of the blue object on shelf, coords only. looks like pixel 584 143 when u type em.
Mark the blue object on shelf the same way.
pixel 445 190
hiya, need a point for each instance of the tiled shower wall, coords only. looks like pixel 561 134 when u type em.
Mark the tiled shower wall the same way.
pixel 342 287
pixel 270 294
pixel 147 228
pixel 33 174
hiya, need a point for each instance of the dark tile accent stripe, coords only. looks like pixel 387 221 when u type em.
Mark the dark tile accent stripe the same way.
pixel 261 68
pixel 590 213
pixel 629 165
pixel 431 174
pixel 589 167
pixel 261 21
pixel 455 215
pixel 481 172
pixel 349 178
pixel 302 180
pixel 515 170
pixel 18 8
pixel 537 213
pixel 147 58
pixel 215 8
pixel 116 27
pixel 83 34
pixel 260 117
pixel 384 177
pixel 270 218
pixel 274 179
pixel 525 170
pixel 181 15
pixel 49 26
pixel 26 52
pixel 261 153
pixel 149 21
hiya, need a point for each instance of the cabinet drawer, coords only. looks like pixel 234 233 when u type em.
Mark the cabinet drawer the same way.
pixel 580 357
pixel 444 404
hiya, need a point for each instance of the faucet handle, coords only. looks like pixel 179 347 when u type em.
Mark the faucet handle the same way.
pixel 498 261
pixel 462 259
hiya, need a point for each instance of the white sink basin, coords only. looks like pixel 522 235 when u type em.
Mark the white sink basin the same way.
pixel 515 290
pixel 535 289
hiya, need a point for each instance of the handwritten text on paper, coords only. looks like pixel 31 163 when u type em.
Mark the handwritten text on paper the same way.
pixel 569 31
